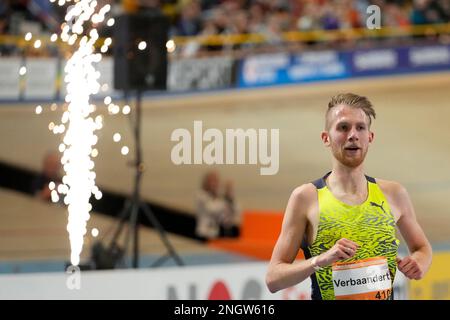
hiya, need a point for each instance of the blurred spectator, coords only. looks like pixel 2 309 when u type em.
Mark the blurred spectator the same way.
pixel 350 15
pixel 309 18
pixel 273 31
pixel 443 7
pixel 394 16
pixel 330 20
pixel 189 23
pixel 3 24
pixel 51 172
pixel 42 10
pixel 239 22
pixel 256 17
pixel 221 19
pixel 4 14
pixel 218 22
pixel 420 14
pixel 217 214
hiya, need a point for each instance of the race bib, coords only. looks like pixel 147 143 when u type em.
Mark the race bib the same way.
pixel 367 279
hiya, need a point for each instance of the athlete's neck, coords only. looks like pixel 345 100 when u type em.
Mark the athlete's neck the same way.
pixel 347 180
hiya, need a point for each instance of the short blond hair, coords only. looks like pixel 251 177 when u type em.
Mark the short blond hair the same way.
pixel 354 101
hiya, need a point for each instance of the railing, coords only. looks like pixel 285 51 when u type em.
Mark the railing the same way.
pixel 320 35
pixel 234 42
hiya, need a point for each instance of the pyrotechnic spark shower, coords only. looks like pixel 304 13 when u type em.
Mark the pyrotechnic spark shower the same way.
pixel 81 80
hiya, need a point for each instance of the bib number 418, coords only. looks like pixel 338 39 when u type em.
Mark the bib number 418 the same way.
pixel 383 294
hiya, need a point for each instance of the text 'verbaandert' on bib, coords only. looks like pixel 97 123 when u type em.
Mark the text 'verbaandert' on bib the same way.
pixel 367 279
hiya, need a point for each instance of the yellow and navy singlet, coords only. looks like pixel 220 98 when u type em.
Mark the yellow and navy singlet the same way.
pixel 370 224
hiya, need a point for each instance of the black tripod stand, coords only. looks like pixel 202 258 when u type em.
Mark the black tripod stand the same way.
pixel 134 206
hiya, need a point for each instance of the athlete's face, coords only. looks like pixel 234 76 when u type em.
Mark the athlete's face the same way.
pixel 348 135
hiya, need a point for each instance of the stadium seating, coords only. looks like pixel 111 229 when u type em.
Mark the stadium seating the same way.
pixel 259 233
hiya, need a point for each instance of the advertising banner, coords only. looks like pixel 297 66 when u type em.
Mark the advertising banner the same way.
pixel 429 58
pixel 40 78
pixel 240 281
pixel 10 78
pixel 400 60
pixel 436 283
pixel 106 69
pixel 283 68
pixel 200 74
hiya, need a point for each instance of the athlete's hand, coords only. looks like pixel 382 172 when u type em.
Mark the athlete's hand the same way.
pixel 343 249
pixel 410 268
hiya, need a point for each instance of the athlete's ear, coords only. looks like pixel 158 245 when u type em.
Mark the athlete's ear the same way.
pixel 325 138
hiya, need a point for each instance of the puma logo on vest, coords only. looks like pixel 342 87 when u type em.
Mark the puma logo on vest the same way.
pixel 373 204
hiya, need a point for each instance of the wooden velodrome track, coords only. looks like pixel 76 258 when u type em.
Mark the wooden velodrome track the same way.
pixel 412 135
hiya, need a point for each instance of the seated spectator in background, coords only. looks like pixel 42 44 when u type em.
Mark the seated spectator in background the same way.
pixel 3 24
pixel 189 22
pixel 217 215
pixel 4 17
pixel 443 6
pixel 394 16
pixel 420 13
pixel 256 18
pixel 51 171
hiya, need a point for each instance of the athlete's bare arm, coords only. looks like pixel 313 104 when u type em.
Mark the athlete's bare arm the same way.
pixel 418 262
pixel 284 271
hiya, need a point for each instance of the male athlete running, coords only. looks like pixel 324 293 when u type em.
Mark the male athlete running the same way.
pixel 345 222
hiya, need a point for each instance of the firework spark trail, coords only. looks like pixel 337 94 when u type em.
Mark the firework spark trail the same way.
pixel 81 82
